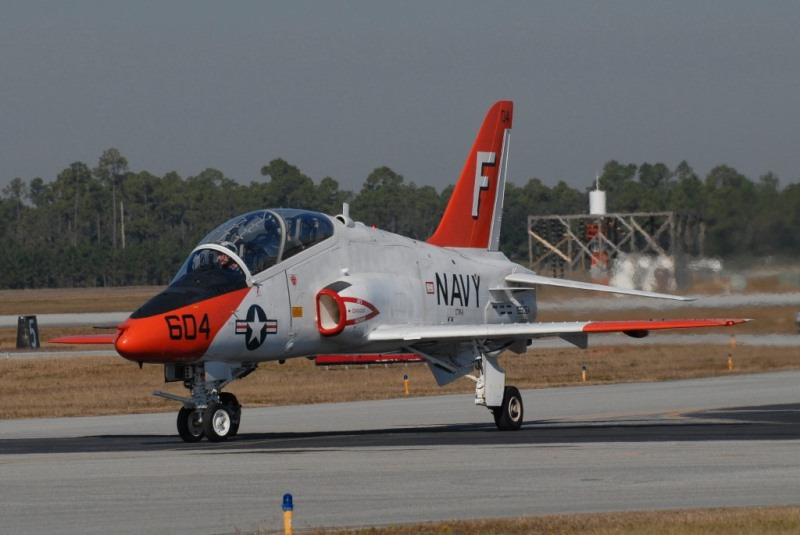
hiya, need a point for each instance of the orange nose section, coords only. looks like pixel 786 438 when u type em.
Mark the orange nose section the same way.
pixel 180 335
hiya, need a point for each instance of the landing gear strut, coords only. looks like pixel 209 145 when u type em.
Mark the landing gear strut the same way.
pixel 208 412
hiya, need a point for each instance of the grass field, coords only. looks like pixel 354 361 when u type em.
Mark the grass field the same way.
pixel 74 300
pixel 732 521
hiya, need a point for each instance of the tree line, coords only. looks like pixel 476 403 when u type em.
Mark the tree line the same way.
pixel 109 226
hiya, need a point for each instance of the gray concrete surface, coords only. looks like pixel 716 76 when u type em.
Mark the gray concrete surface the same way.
pixel 728 441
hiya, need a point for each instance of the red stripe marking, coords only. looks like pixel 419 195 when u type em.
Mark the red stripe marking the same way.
pixel 654 325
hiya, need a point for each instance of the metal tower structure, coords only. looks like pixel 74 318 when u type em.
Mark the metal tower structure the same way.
pixel 565 244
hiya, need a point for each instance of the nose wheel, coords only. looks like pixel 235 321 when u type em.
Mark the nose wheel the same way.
pixel 208 412
pixel 235 410
pixel 190 424
pixel 217 422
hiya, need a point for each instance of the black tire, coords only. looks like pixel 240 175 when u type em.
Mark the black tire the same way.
pixel 217 422
pixel 496 412
pixel 230 401
pixel 190 424
pixel 508 416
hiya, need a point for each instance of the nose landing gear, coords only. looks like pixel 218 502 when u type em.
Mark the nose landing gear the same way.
pixel 208 413
pixel 217 422
pixel 190 424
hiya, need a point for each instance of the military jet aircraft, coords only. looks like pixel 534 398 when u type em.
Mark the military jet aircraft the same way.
pixel 283 283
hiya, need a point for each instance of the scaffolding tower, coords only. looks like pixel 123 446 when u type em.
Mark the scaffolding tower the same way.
pixel 561 245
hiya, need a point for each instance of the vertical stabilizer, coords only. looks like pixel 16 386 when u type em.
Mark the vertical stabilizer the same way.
pixel 475 211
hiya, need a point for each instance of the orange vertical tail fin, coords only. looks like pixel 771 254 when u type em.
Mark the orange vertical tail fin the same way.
pixel 474 213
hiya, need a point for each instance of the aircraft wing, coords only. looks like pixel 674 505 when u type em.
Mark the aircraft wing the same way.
pixel 529 280
pixel 574 331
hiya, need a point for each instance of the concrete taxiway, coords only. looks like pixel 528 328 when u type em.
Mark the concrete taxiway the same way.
pixel 728 441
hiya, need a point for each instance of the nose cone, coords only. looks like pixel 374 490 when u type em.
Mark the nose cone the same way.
pixel 180 335
pixel 151 340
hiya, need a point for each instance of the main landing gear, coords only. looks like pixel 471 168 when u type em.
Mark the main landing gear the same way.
pixel 491 391
pixel 505 402
pixel 208 413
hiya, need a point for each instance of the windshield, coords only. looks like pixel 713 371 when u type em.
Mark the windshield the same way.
pixel 236 250
pixel 254 237
pixel 259 240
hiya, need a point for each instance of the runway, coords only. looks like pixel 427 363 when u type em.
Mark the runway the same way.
pixel 728 441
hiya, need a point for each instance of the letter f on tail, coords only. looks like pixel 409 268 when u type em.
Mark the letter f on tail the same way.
pixel 475 211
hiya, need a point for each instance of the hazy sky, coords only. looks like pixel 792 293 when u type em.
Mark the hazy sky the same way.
pixel 339 88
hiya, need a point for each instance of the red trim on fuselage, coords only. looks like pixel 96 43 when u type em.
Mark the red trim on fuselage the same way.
pixel 342 313
pixel 180 335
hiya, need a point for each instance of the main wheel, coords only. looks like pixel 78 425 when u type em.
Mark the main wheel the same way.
pixel 217 422
pixel 230 401
pixel 508 416
pixel 190 424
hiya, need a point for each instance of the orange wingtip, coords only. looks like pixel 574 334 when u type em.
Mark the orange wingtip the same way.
pixel 81 339
pixel 654 325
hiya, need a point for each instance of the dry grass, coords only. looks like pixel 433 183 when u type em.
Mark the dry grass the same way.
pixel 72 300
pixel 722 521
pixel 73 386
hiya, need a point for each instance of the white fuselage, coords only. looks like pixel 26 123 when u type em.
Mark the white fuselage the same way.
pixel 386 279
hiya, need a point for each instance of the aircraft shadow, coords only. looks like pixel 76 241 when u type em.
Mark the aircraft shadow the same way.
pixel 775 422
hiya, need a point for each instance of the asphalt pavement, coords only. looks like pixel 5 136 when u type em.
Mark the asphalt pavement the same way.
pixel 728 441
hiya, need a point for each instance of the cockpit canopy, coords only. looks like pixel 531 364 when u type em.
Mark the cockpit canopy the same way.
pixel 257 241
pixel 231 254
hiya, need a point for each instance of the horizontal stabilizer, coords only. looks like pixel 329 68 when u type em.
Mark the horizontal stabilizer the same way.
pixel 525 279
